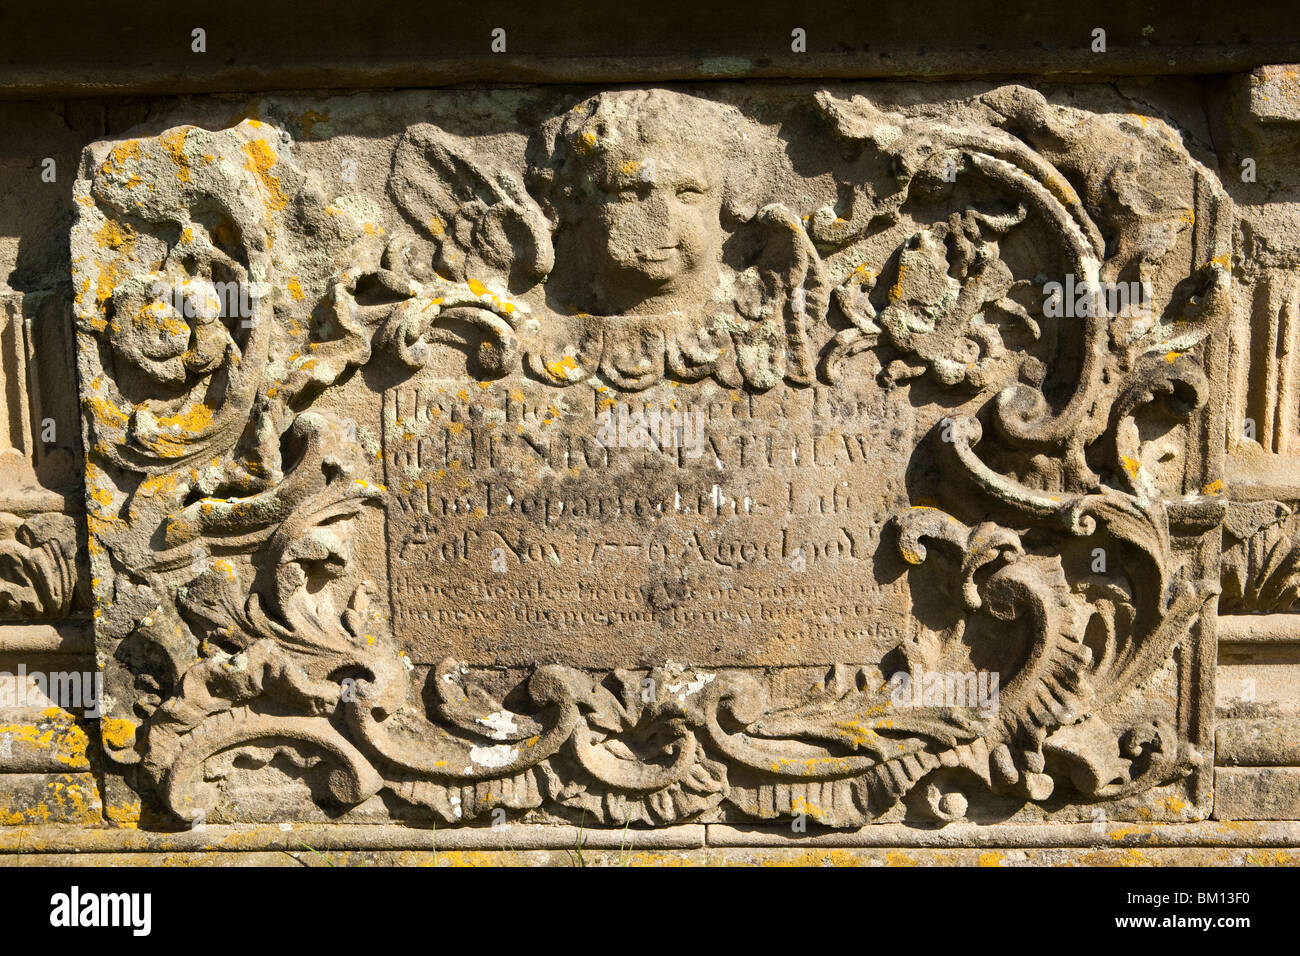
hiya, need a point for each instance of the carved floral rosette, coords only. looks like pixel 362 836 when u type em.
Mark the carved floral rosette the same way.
pixel 1073 468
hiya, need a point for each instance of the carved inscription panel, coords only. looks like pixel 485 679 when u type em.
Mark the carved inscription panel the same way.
pixel 609 531
pixel 644 456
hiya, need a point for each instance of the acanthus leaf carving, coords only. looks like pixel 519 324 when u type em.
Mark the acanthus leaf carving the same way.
pixel 38 567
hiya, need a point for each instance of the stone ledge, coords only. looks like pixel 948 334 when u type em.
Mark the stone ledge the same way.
pixel 1257 743
pixel 342 45
pixel 1111 834
pixel 61 637
pixel 327 837
pixel 708 857
pixel 1281 628
pixel 1063 65
pixel 341 837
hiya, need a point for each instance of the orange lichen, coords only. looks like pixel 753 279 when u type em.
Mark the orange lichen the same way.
pixel 261 159
pixel 120 155
pixel 174 143
pixel 118 734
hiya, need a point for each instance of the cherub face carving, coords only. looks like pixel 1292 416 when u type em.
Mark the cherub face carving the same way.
pixel 656 229
pixel 637 182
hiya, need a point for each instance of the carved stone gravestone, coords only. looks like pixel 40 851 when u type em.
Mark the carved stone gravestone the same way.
pixel 757 453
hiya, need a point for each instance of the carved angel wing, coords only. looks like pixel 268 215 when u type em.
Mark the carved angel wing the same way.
pixel 482 220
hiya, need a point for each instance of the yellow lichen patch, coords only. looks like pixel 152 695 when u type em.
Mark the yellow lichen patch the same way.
pixel 76 801
pixel 117 733
pixel 101 496
pixel 991 858
pixel 295 289
pixel 1131 465
pixel 1213 488
pixel 1176 804
pixel 800 805
pixel 127 815
pixel 109 276
pixel 120 155
pixel 105 412
pixel 261 158
pixel 157 317
pixel 189 422
pixel 158 485
pixel 1132 858
pixel 811 765
pixel 898 858
pixel 174 143
pixel 65 798
pixel 437 226
pixel 896 290
pixel 56 733
pixel 854 734
pixel 113 235
pixel 479 289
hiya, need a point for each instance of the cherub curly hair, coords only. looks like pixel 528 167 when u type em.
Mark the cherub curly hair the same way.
pixel 579 150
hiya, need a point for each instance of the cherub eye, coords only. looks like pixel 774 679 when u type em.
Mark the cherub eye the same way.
pixel 633 192
pixel 690 194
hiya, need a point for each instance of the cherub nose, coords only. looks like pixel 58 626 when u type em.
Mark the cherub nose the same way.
pixel 658 206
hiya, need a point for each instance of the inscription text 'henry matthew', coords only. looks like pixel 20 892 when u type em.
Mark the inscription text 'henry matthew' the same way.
pixel 519 531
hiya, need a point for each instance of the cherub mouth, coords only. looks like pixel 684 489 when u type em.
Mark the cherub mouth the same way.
pixel 660 253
